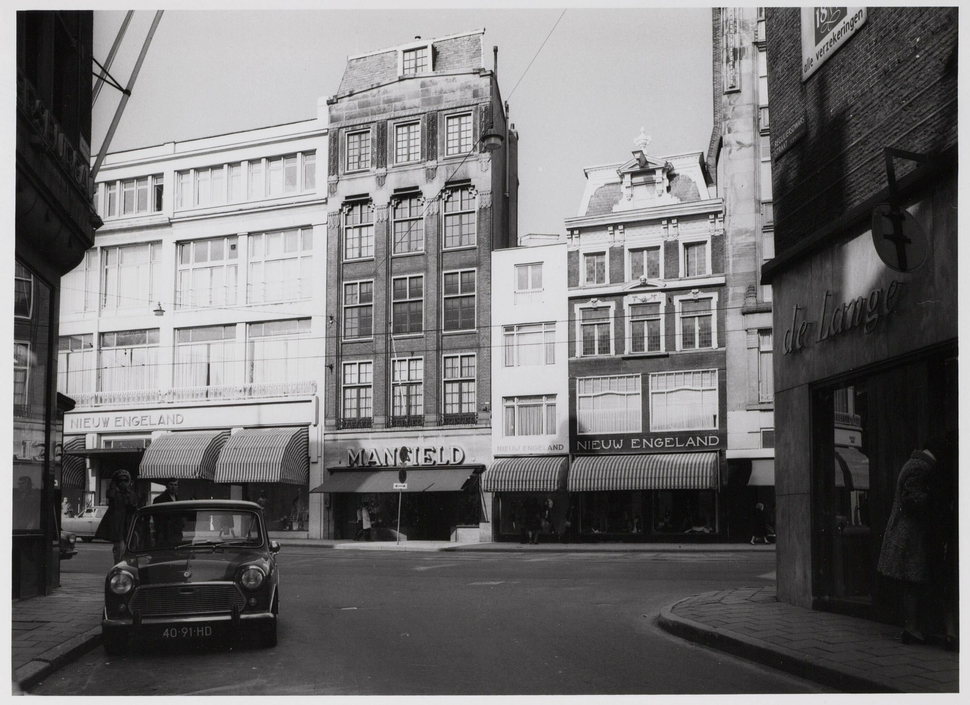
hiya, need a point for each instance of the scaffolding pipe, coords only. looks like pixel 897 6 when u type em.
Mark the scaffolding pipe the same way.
pixel 124 98
pixel 111 56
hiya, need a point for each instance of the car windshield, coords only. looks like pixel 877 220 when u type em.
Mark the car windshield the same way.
pixel 196 527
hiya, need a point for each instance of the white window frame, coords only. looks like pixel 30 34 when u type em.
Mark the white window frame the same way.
pixel 257 181
pixel 358 366
pixel 689 379
pixel 185 297
pixel 412 221
pixel 187 347
pixel 125 301
pixel 511 407
pixel 409 388
pixel 678 334
pixel 22 274
pixel 461 294
pixel 118 187
pixel 459 381
pixel 461 148
pixel 532 294
pixel 359 163
pixel 512 344
pixel 610 306
pixel 450 212
pixel 631 301
pixel 345 307
pixel 410 128
pixel 766 376
pixel 613 428
pixel 292 332
pixel 24 368
pixel 409 299
pixel 364 230
pixel 630 249
pixel 682 246
pixel 414 48
pixel 583 254
pixel 150 346
pixel 300 289
pixel 767 253
pixel 76 363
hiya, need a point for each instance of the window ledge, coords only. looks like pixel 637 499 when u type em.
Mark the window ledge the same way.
pixel 634 356
pixel 408 254
pixel 357 340
pixel 403 336
pixel 459 248
pixel 760 406
pixel 761 307
pixel 357 259
pixel 458 332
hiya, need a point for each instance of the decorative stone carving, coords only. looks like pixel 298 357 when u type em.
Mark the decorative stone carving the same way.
pixel 484 199
pixel 431 170
pixel 484 161
pixel 332 184
pixel 380 213
pixel 381 175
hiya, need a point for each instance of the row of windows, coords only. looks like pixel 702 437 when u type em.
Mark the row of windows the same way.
pixel 407 304
pixel 407 138
pixel 272 352
pixel 130 276
pixel 696 327
pixel 407 226
pixel 647 262
pixel 238 182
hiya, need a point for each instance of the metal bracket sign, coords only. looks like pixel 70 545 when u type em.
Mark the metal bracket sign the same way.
pixel 824 30
pixel 400 485
pixel 897 236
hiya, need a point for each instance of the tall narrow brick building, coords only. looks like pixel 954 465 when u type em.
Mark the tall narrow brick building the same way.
pixel 422 187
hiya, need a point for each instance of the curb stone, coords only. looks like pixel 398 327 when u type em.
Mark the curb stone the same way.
pixel 43 665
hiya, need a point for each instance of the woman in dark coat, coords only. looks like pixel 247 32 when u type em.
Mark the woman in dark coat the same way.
pixel 905 545
pixel 122 503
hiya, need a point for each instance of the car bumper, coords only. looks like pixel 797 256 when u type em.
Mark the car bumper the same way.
pixel 197 628
pixel 65 555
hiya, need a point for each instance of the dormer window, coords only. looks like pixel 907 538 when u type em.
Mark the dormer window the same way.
pixel 417 60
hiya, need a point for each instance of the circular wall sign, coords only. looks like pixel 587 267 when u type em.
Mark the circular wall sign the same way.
pixel 902 246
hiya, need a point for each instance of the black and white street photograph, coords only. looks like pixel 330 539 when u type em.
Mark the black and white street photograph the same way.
pixel 452 350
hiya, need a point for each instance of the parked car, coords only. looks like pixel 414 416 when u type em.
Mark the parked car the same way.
pixel 67 545
pixel 193 572
pixel 84 524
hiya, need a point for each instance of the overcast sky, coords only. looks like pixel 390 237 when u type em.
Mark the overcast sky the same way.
pixel 599 76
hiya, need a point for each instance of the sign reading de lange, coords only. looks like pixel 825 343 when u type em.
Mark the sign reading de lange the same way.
pixel 824 30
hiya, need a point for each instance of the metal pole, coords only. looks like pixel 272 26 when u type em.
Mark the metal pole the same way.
pixel 111 56
pixel 400 495
pixel 125 96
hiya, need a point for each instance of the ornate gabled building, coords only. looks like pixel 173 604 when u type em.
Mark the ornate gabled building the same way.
pixel 422 187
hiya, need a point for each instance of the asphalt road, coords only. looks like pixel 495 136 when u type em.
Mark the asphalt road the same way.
pixel 386 623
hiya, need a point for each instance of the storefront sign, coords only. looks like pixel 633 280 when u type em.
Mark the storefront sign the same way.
pixel 824 30
pixel 287 413
pixel 640 444
pixel 792 135
pixel 534 448
pixel 836 319
pixel 419 456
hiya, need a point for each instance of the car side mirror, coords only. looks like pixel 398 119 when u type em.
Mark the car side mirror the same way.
pixel 274 546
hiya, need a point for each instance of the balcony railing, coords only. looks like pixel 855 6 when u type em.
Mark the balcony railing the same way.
pixel 405 421
pixel 361 422
pixel 844 419
pixel 528 296
pixel 458 419
pixel 226 392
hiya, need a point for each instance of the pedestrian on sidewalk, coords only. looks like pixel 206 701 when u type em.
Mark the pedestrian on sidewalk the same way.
pixel 904 556
pixel 365 521
pixel 171 493
pixel 759 525
pixel 122 503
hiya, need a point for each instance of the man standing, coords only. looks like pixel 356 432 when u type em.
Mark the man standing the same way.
pixel 170 494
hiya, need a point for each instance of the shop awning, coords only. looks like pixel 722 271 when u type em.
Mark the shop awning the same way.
pixel 265 455
pixel 74 470
pixel 762 472
pixel 452 479
pixel 183 456
pixel 105 452
pixel 544 474
pixel 852 464
pixel 658 471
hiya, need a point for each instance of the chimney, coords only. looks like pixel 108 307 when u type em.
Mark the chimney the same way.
pixel 495 60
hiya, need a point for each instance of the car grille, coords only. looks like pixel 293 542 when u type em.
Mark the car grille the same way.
pixel 167 600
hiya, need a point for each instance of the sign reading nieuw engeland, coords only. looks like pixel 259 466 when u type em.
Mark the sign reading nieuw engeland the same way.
pixel 824 30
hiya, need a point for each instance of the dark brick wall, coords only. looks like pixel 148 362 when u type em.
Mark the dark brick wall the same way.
pixel 603 199
pixel 368 70
pixel 458 53
pixel 893 84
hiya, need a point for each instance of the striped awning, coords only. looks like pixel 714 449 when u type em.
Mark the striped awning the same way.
pixel 182 456
pixel 544 474
pixel 453 479
pixel 265 455
pixel 852 465
pixel 74 470
pixel 658 471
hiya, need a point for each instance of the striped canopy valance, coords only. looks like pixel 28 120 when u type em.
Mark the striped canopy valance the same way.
pixel 658 471
pixel 540 474
pixel 265 455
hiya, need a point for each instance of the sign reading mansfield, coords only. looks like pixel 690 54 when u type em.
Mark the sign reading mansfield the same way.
pixel 824 30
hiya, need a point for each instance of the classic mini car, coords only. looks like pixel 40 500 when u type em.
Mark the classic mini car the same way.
pixel 84 524
pixel 67 542
pixel 193 572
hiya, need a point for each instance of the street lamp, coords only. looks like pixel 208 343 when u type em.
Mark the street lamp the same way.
pixel 492 141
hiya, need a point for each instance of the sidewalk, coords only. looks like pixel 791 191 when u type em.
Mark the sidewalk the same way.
pixel 849 654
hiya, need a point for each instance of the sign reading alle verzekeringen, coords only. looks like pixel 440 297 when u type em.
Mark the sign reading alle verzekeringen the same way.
pixel 824 30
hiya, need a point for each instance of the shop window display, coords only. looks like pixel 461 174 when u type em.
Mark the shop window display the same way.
pixel 684 512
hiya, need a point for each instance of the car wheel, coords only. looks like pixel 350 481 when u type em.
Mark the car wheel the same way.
pixel 86 539
pixel 115 642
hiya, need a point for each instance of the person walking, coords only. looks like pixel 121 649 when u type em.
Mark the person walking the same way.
pixel 904 555
pixel 759 525
pixel 122 503
pixel 263 502
pixel 171 493
pixel 365 522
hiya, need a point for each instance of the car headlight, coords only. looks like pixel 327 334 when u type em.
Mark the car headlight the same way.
pixel 121 583
pixel 71 539
pixel 252 577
